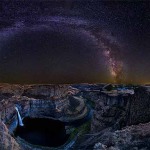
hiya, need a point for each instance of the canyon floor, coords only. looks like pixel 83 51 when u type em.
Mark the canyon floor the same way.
pixel 109 117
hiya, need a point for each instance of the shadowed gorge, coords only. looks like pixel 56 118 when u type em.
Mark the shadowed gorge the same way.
pixel 44 132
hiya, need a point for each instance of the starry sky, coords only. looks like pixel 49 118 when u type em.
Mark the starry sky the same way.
pixel 71 41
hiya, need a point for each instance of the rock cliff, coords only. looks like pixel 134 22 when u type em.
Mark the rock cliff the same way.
pixel 135 137
pixel 116 122
pixel 50 101
pixel 110 111
pixel 26 97
pixel 7 142
pixel 119 110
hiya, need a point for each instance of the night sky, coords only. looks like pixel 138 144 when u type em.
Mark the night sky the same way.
pixel 70 41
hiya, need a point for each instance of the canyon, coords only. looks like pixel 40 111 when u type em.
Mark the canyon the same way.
pixel 118 121
pixel 38 101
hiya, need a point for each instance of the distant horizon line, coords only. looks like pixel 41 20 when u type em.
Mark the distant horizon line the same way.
pixel 2 83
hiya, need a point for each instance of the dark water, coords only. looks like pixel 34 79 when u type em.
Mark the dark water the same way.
pixel 42 131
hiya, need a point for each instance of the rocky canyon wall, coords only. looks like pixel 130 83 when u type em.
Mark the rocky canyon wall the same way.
pixel 120 122
pixel 139 106
pixel 31 100
pixel 25 97
pixel 117 111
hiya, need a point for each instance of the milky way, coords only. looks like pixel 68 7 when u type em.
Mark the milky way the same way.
pixel 74 42
pixel 111 50
pixel 113 54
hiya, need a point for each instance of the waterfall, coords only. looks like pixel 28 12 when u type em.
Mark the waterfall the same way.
pixel 19 118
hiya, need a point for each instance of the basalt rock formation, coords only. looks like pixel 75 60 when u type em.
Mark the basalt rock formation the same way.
pixel 135 137
pixel 119 110
pixel 7 142
pixel 17 96
pixel 116 122
pixel 110 111
pixel 139 106
pixel 36 101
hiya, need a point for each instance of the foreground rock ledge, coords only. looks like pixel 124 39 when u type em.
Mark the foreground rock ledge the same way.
pixel 135 137
pixel 7 142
